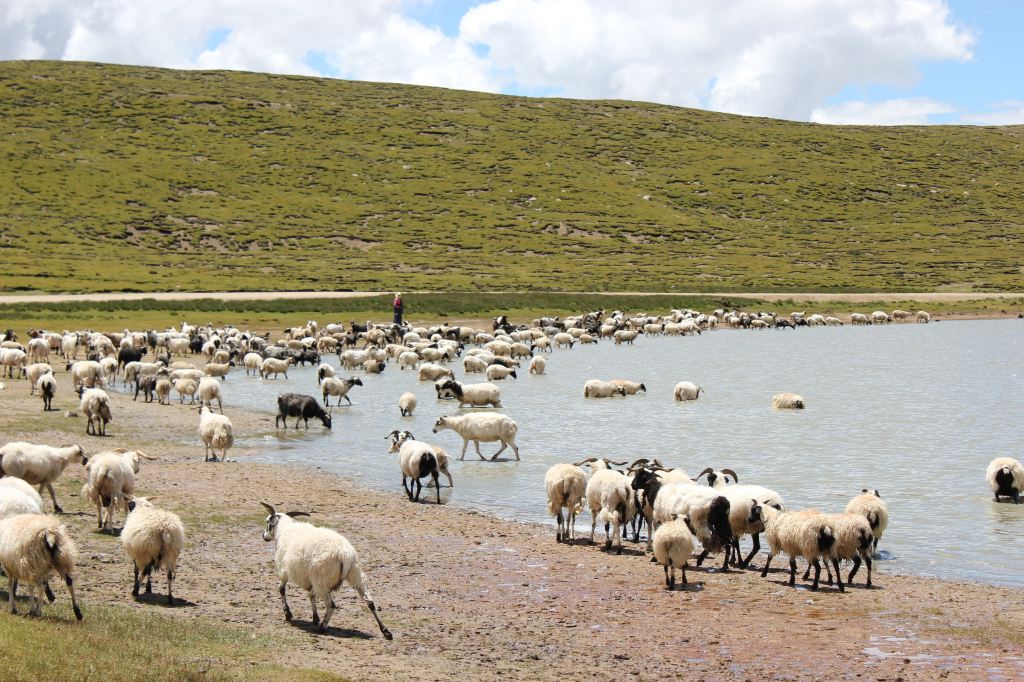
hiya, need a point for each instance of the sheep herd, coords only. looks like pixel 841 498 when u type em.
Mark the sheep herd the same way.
pixel 679 515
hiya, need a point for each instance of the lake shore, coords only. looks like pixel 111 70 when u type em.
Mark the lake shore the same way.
pixel 473 596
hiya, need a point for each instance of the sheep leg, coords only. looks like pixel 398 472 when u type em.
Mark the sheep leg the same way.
pixel 792 571
pixel 137 583
pixel 853 571
pixel 756 537
pixel 682 569
pixel 593 525
pixel 419 487
pixel 725 564
pixel 501 450
pixel 476 444
pixel 465 444
pixel 867 562
pixel 559 534
pixel 515 449
pixel 12 589
pixel 49 593
pixel 316 616
pixel 670 575
pixel 703 555
pixel 839 576
pixel 817 573
pixel 437 487
pixel 53 496
pixel 767 561
pixel 284 597
pixel 346 398
pixel 408 491
pixel 148 572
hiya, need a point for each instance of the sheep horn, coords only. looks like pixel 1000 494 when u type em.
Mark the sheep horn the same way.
pixel 269 508
pixel 588 459
pixel 735 478
pixel 294 514
pixel 143 455
pixel 391 435
pixel 643 460
pixel 709 470
pixel 618 464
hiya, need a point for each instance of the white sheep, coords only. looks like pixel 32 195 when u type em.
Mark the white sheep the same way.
pixel 1005 477
pixel 252 362
pixel 32 548
pixel 214 369
pixel 475 364
pixel 318 560
pixel 475 395
pixel 708 511
pixel 13 359
pixel 673 545
pixel 500 372
pixel 275 367
pixel 33 373
pixel 431 372
pixel 85 373
pixel 482 427
pixel 686 390
pixel 407 403
pixel 538 364
pixel 15 500
pixel 216 432
pixel 111 479
pixel 186 387
pixel 595 388
pixel 95 405
pixel 408 359
pixel 339 388
pixel 566 486
pixel 417 460
pixel 163 391
pixel 923 316
pixel 153 539
pixel 625 336
pixel 609 498
pixel 47 386
pixel 39 464
pixel 853 540
pixel 805 534
pixel 872 507
pixel 22 486
pixel 788 401
pixel 630 387
pixel 209 390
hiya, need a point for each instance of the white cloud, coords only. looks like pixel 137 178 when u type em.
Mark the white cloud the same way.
pixel 782 58
pixel 893 112
pixel 1005 114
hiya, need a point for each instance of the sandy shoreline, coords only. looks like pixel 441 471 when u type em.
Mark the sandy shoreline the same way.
pixel 473 596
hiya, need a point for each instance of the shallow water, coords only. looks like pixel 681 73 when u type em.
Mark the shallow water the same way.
pixel 916 411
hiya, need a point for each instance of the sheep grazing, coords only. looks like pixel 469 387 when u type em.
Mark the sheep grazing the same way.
pixel 95 405
pixel 630 387
pixel 407 403
pixel 805 534
pixel 500 373
pixel 324 371
pixel 417 460
pixel 686 390
pixel 1005 477
pixel 32 548
pixel 595 388
pixel 609 498
pixel 339 388
pixel 111 479
pixel 787 401
pixel 47 386
pixel 673 545
pixel 304 407
pixel 923 316
pixel 478 428
pixel 537 365
pixel 209 390
pixel 216 432
pixel 475 395
pixel 153 539
pixel 872 507
pixel 318 560
pixel 39 464
pixel 565 485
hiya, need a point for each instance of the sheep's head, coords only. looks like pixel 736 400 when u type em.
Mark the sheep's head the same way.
pixel 643 388
pixel 274 518
pixel 872 492
pixel 441 423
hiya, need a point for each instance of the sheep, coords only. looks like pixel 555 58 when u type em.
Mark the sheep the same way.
pixel 631 387
pixel 900 315
pixel 39 464
pixel 833 322
pixel 805 534
pixel 163 391
pixel 275 367
pixel 500 373
pixel 788 401
pixel 853 539
pixel 34 371
pixel 686 390
pixel 565 485
pixel 1005 477
pixel 859 318
pixel 625 335
pixel 431 372
pixel 521 350
pixel 374 366
pixel 302 407
pixel 22 486
pixel 673 545
pixel 12 359
pixel 880 316
pixel 473 364
pixel 111 479
pixel 147 385
pixel 708 511
pixel 318 560
pixel 407 403
pixel 209 390
pixel 339 388
pixel 923 316
pixel 562 339
pixel 595 388
pixel 153 539
pixel 417 460
pixel 744 519
pixel 214 369
pixel 186 387
pixel 608 497
pixel 32 547
pixel 95 405
pixel 85 373
pixel 538 364
pixel 476 395
pixel 216 432
pixel 479 428
pixel 15 500
pixel 47 386
pixel 871 506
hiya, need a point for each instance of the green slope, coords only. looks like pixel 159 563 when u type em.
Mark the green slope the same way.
pixel 125 178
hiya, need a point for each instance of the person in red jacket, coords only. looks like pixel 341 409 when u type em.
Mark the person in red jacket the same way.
pixel 398 308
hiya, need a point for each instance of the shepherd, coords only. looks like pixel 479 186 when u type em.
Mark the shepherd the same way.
pixel 398 308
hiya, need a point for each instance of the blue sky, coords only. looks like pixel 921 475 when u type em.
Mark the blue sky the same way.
pixel 828 61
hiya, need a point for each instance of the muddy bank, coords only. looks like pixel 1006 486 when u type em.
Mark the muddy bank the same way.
pixel 471 596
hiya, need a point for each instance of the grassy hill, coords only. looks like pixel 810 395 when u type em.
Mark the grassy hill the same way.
pixel 123 178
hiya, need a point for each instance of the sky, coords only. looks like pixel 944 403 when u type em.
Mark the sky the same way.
pixel 883 62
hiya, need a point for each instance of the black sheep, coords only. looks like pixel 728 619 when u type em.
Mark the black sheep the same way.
pixel 302 407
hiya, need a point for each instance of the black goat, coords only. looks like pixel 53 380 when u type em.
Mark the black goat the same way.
pixel 126 355
pixel 146 384
pixel 301 407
